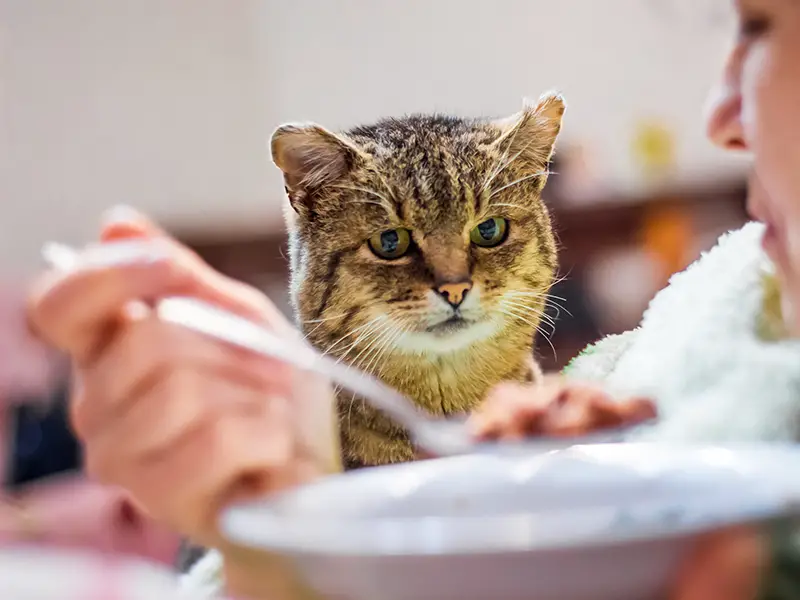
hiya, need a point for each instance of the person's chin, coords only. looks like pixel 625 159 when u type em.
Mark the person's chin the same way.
pixel 774 248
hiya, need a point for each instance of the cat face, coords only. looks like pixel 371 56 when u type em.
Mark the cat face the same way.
pixel 421 235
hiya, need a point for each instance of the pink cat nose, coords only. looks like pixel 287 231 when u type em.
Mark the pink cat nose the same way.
pixel 454 293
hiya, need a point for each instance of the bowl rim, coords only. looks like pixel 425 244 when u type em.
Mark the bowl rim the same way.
pixel 260 525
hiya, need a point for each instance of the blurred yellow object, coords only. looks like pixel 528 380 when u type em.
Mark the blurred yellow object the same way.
pixel 771 326
pixel 654 147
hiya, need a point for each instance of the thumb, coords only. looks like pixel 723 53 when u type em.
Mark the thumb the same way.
pixel 124 222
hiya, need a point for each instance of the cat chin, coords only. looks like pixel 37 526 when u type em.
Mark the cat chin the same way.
pixel 430 343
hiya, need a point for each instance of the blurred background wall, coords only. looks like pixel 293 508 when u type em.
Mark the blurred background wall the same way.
pixel 167 105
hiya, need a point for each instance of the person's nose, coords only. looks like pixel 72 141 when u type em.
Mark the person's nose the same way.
pixel 724 118
pixel 724 107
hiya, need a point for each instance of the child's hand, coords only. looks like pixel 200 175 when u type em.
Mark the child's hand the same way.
pixel 555 407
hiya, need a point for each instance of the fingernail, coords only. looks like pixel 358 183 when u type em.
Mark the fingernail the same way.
pixel 121 213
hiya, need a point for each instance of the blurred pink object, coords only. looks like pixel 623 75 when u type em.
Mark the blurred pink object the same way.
pixel 28 368
pixel 74 512
pixel 69 510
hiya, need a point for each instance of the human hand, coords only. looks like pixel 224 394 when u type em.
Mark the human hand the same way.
pixel 554 407
pixel 724 565
pixel 185 423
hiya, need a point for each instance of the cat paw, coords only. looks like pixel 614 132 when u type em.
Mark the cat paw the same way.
pixel 554 407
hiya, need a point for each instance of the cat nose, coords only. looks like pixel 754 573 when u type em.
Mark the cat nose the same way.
pixel 454 293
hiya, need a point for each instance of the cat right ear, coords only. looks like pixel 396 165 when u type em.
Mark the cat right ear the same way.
pixel 530 135
pixel 310 157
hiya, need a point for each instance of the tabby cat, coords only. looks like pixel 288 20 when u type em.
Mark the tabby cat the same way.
pixel 421 252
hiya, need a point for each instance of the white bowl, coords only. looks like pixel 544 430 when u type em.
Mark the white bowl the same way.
pixel 593 522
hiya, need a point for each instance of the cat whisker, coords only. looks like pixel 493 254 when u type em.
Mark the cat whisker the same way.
pixel 511 313
pixel 544 296
pixel 517 181
pixel 383 349
pixel 556 281
pixel 319 323
pixel 526 297
pixel 558 307
pixel 389 190
pixel 350 411
pixel 551 299
pixel 527 305
pixel 399 336
pixel 375 348
pixel 543 305
pixel 355 188
pixel 534 310
pixel 537 313
pixel 521 310
pixel 547 339
pixel 385 203
pixel 368 340
pixel 312 330
pixel 508 163
pixel 339 316
pixel 383 331
pixel 499 166
pixel 367 325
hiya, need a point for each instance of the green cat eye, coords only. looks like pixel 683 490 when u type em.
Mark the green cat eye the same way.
pixel 491 232
pixel 390 244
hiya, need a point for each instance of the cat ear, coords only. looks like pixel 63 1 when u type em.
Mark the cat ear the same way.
pixel 310 156
pixel 530 135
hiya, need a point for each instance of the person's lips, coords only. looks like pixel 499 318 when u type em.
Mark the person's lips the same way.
pixel 758 207
pixel 770 241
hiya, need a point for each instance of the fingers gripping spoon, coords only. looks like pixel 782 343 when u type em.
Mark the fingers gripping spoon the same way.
pixel 439 437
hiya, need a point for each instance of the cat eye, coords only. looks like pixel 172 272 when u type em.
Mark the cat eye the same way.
pixel 491 232
pixel 390 244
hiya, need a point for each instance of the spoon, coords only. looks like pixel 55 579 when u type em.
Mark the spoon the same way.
pixel 440 437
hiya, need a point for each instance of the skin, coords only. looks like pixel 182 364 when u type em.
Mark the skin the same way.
pixel 146 403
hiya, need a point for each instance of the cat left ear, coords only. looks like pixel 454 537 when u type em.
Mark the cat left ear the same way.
pixel 530 135
pixel 310 156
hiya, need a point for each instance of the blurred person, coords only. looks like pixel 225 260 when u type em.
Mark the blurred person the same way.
pixel 737 375
pixel 189 425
